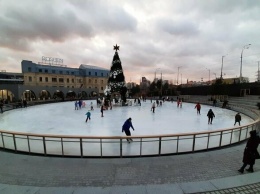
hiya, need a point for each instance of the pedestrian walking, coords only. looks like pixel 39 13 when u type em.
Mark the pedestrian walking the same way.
pixel 210 116
pixel 250 152
pixel 126 127
pixel 198 107
pixel 237 119
pixel 102 110
pixel 88 116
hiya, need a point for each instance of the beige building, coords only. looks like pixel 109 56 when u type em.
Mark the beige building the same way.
pixel 85 77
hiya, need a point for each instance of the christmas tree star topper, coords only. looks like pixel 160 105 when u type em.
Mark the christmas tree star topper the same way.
pixel 116 47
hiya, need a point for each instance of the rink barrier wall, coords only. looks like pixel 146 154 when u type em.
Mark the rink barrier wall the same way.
pixel 117 146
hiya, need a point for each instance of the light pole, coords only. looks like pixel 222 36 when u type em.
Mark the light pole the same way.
pixel 178 75
pixel 245 47
pixel 222 67
pixel 209 75
pixel 161 79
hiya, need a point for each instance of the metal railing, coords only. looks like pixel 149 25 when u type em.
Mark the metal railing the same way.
pixel 117 146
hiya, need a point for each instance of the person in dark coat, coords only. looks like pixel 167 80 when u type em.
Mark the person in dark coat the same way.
pixel 237 119
pixel 1 105
pixel 210 116
pixel 250 152
pixel 126 127
pixel 102 110
pixel 198 106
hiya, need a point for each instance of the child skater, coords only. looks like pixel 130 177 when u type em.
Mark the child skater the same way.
pixel 88 116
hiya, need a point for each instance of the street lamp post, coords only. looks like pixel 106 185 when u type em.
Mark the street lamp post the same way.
pixel 215 76
pixel 209 75
pixel 178 75
pixel 161 79
pixel 245 47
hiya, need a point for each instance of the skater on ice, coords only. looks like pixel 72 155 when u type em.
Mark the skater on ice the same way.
pixel 102 110
pixel 88 116
pixel 76 105
pixel 153 107
pixel 198 106
pixel 237 119
pixel 126 127
pixel 210 116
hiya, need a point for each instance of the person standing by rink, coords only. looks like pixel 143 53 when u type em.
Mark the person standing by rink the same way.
pixel 198 106
pixel 88 116
pixel 237 119
pixel 210 116
pixel 250 152
pixel 126 127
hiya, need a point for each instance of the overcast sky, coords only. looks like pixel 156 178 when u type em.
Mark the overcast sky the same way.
pixel 191 35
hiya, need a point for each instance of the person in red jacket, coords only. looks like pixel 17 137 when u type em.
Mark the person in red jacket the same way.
pixel 198 106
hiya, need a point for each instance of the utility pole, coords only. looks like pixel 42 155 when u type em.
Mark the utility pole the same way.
pixel 161 83
pixel 258 73
pixel 245 47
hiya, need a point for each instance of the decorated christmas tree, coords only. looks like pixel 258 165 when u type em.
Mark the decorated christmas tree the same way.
pixel 116 80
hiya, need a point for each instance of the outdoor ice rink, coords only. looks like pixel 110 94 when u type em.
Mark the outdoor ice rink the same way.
pixel 63 119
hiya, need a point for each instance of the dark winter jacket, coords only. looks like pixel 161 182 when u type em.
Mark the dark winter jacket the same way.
pixel 127 125
pixel 198 106
pixel 210 114
pixel 251 149
pixel 238 117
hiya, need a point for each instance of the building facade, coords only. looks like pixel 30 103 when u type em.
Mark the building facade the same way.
pixel 45 81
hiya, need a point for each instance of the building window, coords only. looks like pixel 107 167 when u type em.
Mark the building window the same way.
pixel 29 69
pixel 72 73
pixel 72 80
pixel 40 79
pixel 53 71
pixel 46 70
pixel 61 72
pixel 30 79
pixel 54 79
pixel 89 73
pixel 102 81
pixel 67 86
pixel 68 80
pixel 101 88
pixel 46 79
pixel 79 80
pixel 89 87
pixel 61 80
pixel 68 72
pixel 40 70
pixel 95 81
pixel 102 74
pixel 72 86
pixel 107 74
pixel 95 73
pixel 89 81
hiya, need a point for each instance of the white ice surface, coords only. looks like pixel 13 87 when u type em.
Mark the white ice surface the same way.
pixel 61 118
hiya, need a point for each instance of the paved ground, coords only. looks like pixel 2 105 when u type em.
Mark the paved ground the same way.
pixel 189 173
